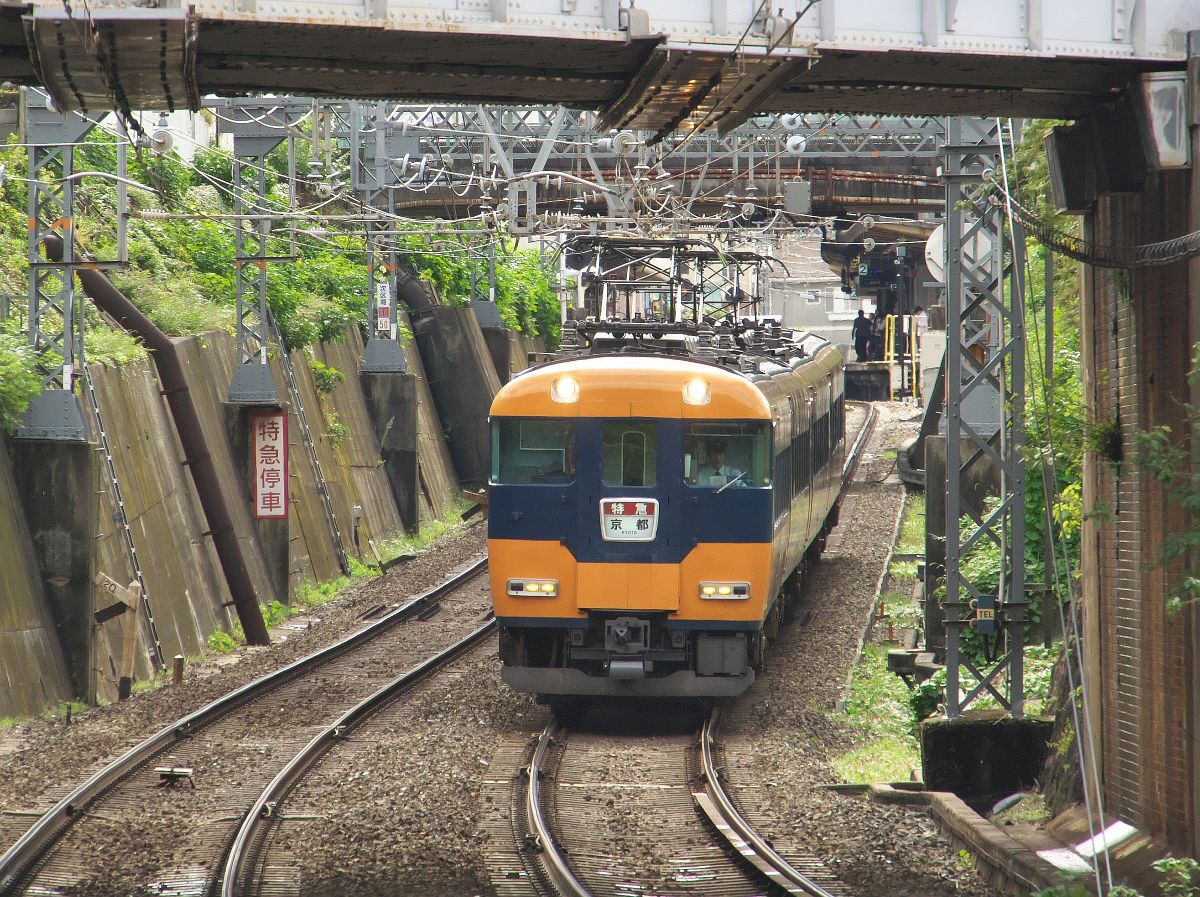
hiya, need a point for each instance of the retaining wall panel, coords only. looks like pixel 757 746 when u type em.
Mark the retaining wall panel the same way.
pixel 439 482
pixel 208 363
pixel 183 575
pixel 360 450
pixel 33 672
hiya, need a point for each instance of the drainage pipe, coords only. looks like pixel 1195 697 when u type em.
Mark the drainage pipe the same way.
pixel 191 435
pixel 412 293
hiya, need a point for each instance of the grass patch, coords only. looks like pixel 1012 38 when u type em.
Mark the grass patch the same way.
pixel 72 709
pixel 314 594
pixel 108 346
pixel 430 531
pixel 1031 810
pixel 878 709
pixel 912 525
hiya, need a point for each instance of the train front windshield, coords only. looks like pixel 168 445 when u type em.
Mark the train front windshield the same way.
pixel 723 453
pixel 533 450
pixel 545 451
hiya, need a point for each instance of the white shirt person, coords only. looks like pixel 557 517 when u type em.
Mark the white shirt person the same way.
pixel 714 471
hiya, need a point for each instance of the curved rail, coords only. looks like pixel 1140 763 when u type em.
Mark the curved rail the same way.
pixel 254 827
pixel 558 872
pixel 732 826
pixel 42 834
pixel 855 454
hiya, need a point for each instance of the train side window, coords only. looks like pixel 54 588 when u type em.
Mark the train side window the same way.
pixel 533 450
pixel 803 445
pixel 719 453
pixel 630 456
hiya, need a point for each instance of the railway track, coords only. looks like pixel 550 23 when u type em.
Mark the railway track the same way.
pixel 252 869
pixel 573 831
pixel 160 818
pixel 586 838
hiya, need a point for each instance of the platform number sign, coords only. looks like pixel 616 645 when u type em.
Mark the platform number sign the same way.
pixel 628 519
pixel 270 464
pixel 383 307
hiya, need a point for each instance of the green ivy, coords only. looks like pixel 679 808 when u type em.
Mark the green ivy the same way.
pixel 325 378
pixel 1169 463
pixel 181 271
pixel 19 378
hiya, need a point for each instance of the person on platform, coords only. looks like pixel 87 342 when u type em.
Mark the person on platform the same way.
pixel 876 351
pixel 920 321
pixel 861 333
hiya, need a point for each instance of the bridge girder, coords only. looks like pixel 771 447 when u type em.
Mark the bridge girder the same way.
pixel 663 65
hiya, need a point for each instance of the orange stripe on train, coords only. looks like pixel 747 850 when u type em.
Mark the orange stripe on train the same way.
pixel 646 587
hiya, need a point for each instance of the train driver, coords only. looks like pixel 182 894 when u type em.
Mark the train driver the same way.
pixel 715 471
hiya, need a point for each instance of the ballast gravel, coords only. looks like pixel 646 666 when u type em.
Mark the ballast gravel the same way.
pixel 408 818
pixel 42 759
pixel 781 737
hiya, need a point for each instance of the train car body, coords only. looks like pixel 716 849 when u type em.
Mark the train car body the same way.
pixel 649 499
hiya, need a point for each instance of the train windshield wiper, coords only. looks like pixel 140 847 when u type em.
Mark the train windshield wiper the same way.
pixel 731 482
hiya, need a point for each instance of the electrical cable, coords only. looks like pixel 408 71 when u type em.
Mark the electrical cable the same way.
pixel 1147 255
pixel 1082 727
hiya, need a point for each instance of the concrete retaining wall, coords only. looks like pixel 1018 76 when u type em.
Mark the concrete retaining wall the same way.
pixel 33 674
pixel 186 588
pixel 183 577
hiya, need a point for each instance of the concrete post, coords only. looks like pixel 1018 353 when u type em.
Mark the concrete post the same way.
pixel 129 634
pixel 273 533
pixel 57 483
pixel 392 402
pixel 495 334
pixel 462 381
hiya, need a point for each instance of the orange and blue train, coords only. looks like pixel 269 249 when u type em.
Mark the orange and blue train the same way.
pixel 654 495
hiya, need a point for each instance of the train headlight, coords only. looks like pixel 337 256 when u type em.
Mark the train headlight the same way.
pixel 697 392
pixel 725 591
pixel 533 588
pixel 565 390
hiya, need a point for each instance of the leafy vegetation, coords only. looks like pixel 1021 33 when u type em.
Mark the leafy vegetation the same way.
pixel 877 707
pixel 1180 878
pixel 19 380
pixel 325 378
pixel 181 271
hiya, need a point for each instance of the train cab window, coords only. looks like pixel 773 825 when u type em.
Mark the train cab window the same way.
pixel 719 453
pixel 533 450
pixel 630 453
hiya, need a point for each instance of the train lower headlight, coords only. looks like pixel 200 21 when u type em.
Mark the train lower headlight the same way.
pixel 533 588
pixel 565 390
pixel 725 591
pixel 697 392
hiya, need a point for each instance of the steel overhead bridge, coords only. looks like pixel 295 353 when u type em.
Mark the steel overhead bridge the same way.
pixel 658 65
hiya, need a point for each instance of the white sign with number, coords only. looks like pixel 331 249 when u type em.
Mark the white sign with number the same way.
pixel 383 307
pixel 628 519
